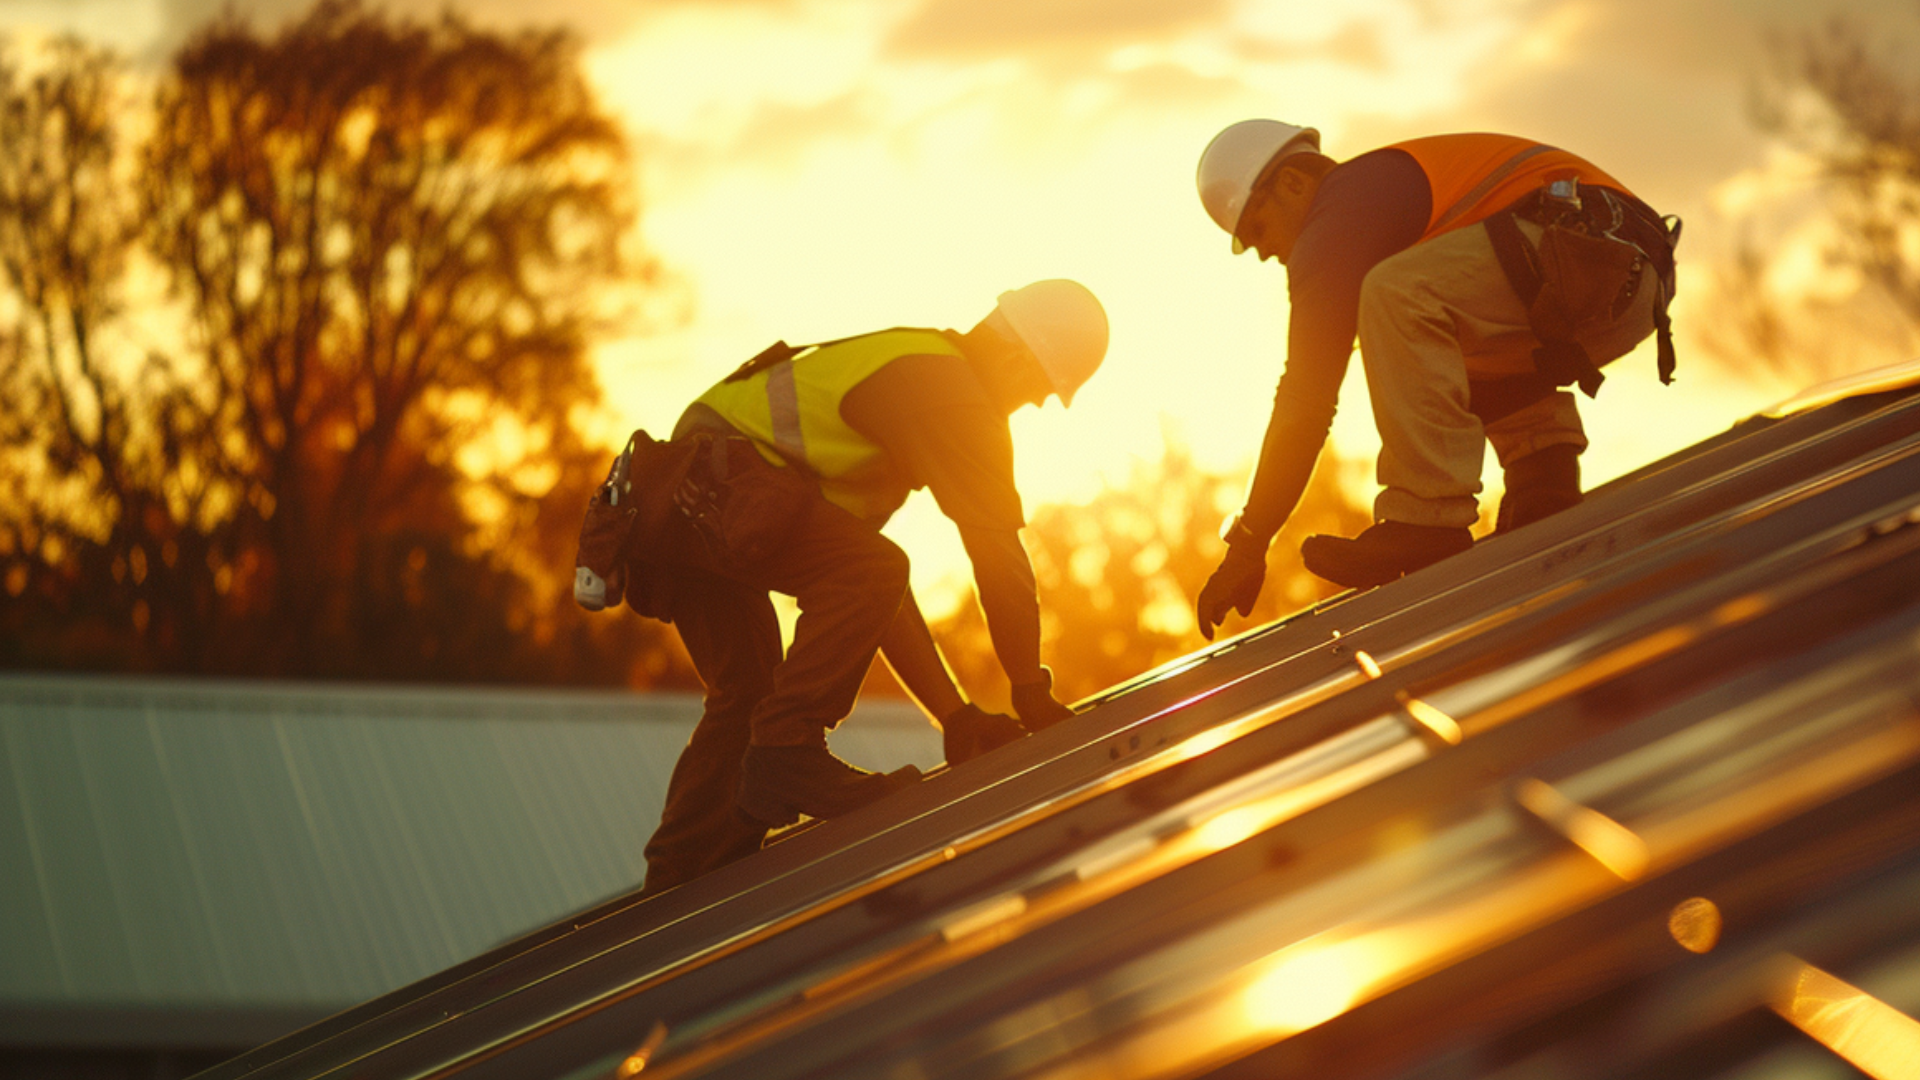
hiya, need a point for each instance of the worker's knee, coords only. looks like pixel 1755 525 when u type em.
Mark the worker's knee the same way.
pixel 1551 421
pixel 888 568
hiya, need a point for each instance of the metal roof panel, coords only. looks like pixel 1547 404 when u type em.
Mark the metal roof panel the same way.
pixel 287 850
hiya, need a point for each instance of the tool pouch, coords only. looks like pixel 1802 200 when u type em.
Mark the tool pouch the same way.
pixel 1586 281
pixel 742 505
pixel 629 513
pixel 1583 273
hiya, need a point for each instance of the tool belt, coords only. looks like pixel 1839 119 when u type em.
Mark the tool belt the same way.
pixel 632 508
pixel 1582 273
pixel 740 508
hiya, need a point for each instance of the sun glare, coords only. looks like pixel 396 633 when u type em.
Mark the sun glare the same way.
pixel 1308 984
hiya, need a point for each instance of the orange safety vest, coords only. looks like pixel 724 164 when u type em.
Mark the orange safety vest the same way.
pixel 1478 175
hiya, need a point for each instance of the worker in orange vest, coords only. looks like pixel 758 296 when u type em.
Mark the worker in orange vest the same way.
pixel 1482 274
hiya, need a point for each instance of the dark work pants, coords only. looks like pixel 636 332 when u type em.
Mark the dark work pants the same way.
pixel 849 581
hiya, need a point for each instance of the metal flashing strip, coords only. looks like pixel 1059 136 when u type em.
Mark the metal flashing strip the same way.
pixel 1871 1035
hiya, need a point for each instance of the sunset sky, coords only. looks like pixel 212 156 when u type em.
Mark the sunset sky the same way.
pixel 815 168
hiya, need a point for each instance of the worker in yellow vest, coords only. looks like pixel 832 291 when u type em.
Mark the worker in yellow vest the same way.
pixel 1482 274
pixel 864 420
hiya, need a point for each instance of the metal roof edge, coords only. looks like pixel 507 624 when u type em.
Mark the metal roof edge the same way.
pixel 176 692
pixel 109 1026
pixel 1871 381
pixel 389 700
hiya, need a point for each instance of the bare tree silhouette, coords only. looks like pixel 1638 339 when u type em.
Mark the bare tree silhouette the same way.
pixel 1119 576
pixel 388 245
pixel 1851 103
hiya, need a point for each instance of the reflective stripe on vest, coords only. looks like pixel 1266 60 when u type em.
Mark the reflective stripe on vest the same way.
pixel 783 407
pixel 791 411
pixel 1475 176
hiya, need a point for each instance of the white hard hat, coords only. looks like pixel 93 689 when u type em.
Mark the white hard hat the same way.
pixel 1234 160
pixel 1064 325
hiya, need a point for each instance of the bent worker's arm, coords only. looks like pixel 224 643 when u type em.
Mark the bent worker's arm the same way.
pixel 1325 304
pixel 1295 434
pixel 1287 455
pixel 966 731
pixel 916 661
pixel 1003 578
pixel 1365 211
pixel 942 431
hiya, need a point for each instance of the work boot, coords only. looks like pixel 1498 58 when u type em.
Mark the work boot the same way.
pixel 1386 550
pixel 779 783
pixel 1543 483
pixel 970 731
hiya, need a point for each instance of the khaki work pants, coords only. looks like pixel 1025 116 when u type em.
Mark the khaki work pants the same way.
pixel 1431 318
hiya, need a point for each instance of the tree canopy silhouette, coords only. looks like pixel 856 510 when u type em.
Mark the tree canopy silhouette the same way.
pixel 1849 101
pixel 345 442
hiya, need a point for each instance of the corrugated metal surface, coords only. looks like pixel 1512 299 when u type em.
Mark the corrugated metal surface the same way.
pixel 1699 685
pixel 229 847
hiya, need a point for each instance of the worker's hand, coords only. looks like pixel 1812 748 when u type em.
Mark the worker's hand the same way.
pixel 1236 584
pixel 1036 704
pixel 969 731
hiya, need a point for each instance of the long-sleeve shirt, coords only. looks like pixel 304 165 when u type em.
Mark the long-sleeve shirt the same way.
pixel 1366 210
pixel 942 431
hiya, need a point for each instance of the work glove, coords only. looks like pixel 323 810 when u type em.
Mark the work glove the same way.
pixel 1236 584
pixel 969 731
pixel 1036 705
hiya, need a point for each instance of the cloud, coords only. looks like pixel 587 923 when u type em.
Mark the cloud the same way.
pixel 1168 87
pixel 594 20
pixel 772 136
pixel 1357 44
pixel 973 29
pixel 1656 92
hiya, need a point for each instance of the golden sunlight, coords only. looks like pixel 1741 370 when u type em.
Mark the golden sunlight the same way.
pixel 1307 984
pixel 811 174
pixel 1880 1040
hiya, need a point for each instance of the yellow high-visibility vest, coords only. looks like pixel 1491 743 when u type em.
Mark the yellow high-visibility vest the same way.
pixel 791 411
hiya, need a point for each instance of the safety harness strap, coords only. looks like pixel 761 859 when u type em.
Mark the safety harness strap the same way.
pixel 1656 237
pixel 1562 363
pixel 1516 256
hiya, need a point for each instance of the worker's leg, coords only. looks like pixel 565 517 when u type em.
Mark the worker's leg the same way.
pixel 1539 446
pixel 732 636
pixel 1422 312
pixel 848 581
pixel 1539 449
